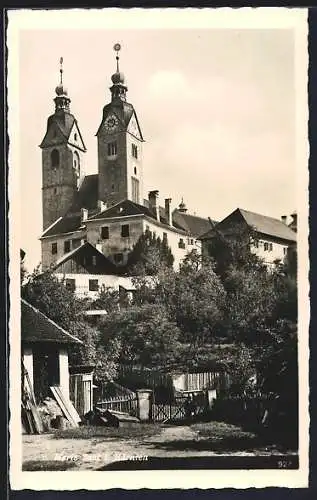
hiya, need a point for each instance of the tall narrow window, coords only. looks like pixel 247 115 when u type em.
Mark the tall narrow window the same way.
pixel 112 148
pixel 105 232
pixel 125 231
pixel 135 190
pixel 54 248
pixel 135 151
pixel 77 163
pixel 66 246
pixel 55 158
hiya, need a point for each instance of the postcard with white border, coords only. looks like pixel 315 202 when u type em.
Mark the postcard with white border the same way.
pixel 158 248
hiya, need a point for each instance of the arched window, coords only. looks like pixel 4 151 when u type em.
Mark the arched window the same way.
pixel 77 163
pixel 55 158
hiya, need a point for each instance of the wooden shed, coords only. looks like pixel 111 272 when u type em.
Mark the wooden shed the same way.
pixel 45 348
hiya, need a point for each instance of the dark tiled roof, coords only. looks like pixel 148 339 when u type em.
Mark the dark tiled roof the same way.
pixel 268 225
pixel 191 223
pixel 128 207
pixel 260 223
pixel 67 224
pixel 123 110
pixel 87 196
pixel 64 122
pixel 121 209
pixel 83 256
pixel 36 327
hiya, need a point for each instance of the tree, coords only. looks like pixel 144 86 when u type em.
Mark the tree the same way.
pixel 149 254
pixel 193 297
pixel 146 334
pixel 108 299
pixel 233 249
pixel 45 292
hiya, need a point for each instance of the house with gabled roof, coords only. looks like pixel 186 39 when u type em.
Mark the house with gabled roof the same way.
pixel 273 237
pixel 85 270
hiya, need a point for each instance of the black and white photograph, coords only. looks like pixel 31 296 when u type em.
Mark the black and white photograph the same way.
pixel 158 245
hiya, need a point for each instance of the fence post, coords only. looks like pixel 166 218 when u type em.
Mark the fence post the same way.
pixel 211 395
pixel 144 404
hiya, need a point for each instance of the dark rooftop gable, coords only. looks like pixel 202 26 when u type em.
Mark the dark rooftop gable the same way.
pixel 36 327
pixel 83 256
pixel 262 224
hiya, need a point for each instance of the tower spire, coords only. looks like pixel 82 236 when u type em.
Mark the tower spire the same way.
pixel 61 70
pixel 61 100
pixel 118 89
pixel 117 48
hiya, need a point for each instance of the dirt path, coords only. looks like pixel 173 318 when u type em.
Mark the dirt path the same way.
pixel 101 451
pixel 95 453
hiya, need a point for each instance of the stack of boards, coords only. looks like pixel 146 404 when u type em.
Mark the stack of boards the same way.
pixel 66 406
pixel 31 419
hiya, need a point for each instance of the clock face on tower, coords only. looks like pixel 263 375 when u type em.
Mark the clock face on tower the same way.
pixel 111 123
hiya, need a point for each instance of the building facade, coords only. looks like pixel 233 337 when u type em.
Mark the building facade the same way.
pixel 272 240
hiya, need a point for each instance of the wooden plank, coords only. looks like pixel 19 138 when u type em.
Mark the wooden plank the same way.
pixel 66 406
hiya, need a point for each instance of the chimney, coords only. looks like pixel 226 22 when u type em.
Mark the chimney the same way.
pixel 101 205
pixel 294 222
pixel 284 219
pixel 84 214
pixel 154 206
pixel 168 213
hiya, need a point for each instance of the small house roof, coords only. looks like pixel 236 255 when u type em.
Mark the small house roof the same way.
pixel 37 327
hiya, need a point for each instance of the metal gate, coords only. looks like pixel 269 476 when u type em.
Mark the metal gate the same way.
pixel 181 408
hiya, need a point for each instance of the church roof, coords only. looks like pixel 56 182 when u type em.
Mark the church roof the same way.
pixel 83 256
pixel 37 327
pixel 260 223
pixel 124 111
pixel 67 224
pixel 64 122
pixel 192 223
pixel 124 208
pixel 87 195
pixel 127 207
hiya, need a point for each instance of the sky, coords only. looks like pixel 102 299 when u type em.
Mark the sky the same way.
pixel 216 107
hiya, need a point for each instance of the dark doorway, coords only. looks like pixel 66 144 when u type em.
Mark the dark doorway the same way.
pixel 45 370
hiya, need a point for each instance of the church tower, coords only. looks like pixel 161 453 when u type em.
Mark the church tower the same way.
pixel 120 143
pixel 62 158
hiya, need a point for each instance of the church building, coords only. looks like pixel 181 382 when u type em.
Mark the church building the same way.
pixel 107 209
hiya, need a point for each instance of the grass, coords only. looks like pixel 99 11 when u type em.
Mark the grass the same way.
pixel 45 465
pixel 221 430
pixel 90 431
pixel 215 436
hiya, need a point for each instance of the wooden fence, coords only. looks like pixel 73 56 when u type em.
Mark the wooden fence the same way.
pixel 205 380
pixel 164 385
pixel 81 392
pixel 125 405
